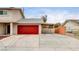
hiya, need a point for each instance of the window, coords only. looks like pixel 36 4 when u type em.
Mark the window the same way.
pixel 3 12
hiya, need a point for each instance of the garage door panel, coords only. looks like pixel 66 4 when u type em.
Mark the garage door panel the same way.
pixel 28 29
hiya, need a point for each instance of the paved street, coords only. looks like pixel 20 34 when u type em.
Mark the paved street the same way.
pixel 43 42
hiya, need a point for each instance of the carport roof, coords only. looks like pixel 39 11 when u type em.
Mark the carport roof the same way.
pixel 30 20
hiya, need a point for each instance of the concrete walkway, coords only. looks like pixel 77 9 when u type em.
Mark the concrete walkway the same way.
pixel 43 42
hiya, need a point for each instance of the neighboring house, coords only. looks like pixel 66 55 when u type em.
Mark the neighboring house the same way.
pixel 12 22
pixel 71 25
pixel 48 28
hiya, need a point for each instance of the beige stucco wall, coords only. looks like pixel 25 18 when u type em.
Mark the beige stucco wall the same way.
pixel 2 29
pixel 12 16
pixel 15 29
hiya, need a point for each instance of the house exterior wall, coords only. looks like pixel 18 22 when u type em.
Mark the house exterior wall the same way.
pixel 71 26
pixel 2 29
pixel 15 27
pixel 11 16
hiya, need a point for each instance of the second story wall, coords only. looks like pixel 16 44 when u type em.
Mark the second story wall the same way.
pixel 10 15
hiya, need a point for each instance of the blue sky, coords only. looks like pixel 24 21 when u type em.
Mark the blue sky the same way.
pixel 54 14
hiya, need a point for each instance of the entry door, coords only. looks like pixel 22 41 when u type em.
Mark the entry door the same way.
pixel 8 29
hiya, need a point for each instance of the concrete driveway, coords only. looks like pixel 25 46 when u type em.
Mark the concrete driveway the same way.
pixel 43 42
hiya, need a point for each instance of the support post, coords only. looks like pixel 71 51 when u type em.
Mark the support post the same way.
pixel 11 28
pixel 40 29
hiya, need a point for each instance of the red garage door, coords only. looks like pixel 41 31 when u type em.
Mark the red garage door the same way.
pixel 28 29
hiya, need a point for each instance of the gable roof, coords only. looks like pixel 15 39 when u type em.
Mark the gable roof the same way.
pixel 76 21
pixel 30 20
